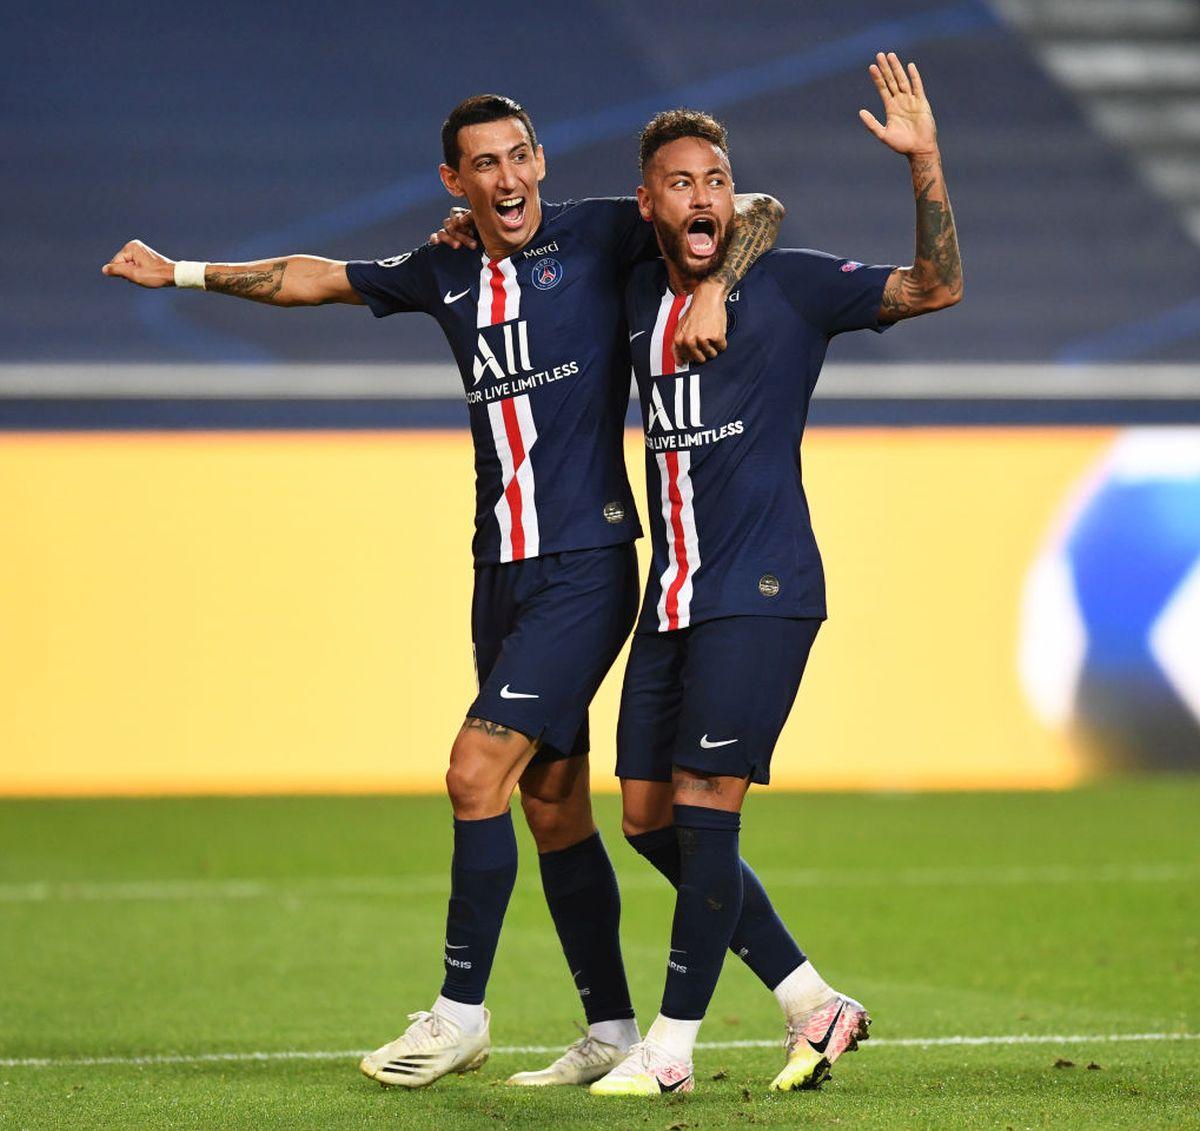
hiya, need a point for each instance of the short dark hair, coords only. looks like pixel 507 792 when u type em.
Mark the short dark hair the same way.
pixel 475 111
pixel 671 125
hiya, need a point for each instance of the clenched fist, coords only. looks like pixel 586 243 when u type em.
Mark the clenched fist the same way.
pixel 141 264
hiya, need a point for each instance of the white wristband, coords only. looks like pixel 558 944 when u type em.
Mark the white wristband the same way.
pixel 188 273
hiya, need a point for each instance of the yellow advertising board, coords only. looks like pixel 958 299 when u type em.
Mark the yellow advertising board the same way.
pixel 288 612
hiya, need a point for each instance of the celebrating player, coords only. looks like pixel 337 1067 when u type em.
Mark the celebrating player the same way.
pixel 536 326
pixel 736 591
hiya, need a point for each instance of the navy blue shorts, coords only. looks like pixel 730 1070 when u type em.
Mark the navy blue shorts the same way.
pixel 546 631
pixel 712 697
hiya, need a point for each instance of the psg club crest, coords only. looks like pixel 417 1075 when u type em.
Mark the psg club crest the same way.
pixel 547 273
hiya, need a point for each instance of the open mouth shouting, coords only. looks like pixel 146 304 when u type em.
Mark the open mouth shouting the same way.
pixel 511 211
pixel 702 237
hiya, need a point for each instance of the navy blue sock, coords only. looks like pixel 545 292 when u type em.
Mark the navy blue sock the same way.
pixel 482 875
pixel 708 903
pixel 760 939
pixel 585 904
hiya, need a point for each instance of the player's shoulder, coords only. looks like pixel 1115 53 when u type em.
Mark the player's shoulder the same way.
pixel 778 259
pixel 407 262
pixel 593 213
pixel 793 267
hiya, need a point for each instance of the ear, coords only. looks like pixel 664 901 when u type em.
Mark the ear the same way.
pixel 539 158
pixel 645 206
pixel 450 180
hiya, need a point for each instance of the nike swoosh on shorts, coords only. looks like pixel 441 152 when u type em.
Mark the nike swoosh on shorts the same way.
pixel 506 694
pixel 706 745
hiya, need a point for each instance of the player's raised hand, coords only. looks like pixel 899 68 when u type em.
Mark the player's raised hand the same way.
pixel 141 264
pixel 909 127
pixel 458 230
pixel 700 334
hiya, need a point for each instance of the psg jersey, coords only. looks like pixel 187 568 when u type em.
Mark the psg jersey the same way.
pixel 540 341
pixel 729 519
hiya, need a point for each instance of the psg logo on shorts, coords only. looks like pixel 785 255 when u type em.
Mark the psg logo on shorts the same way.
pixel 768 585
pixel 546 274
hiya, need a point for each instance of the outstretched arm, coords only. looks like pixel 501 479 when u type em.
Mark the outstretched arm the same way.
pixel 290 280
pixel 700 334
pixel 935 280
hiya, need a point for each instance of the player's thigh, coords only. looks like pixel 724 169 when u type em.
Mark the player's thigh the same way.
pixel 651 698
pixel 740 681
pixel 563 639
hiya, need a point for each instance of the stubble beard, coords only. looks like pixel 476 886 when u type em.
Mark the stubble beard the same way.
pixel 675 249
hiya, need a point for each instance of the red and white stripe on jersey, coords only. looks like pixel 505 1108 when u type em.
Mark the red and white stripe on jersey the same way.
pixel 499 293
pixel 516 510
pixel 675 481
pixel 662 348
pixel 683 546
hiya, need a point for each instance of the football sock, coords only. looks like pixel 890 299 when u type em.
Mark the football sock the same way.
pixel 760 939
pixel 677 1037
pixel 469 1018
pixel 802 990
pixel 623 1033
pixel 708 903
pixel 585 904
pixel 482 875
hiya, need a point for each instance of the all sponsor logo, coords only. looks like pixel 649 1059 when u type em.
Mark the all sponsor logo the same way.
pixel 502 354
pixel 614 512
pixel 547 273
pixel 850 265
pixel 395 260
pixel 768 585
pixel 516 354
pixel 673 416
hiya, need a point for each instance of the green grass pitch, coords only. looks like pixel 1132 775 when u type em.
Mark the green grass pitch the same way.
pixel 219 961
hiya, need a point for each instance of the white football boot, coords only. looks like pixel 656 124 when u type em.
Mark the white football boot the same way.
pixel 817 1038
pixel 647 1070
pixel 433 1046
pixel 586 1060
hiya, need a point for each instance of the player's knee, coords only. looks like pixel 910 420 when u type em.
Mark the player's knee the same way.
pixel 475 788
pixel 645 806
pixel 556 824
pixel 634 824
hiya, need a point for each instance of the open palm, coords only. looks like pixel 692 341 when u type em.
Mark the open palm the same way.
pixel 909 126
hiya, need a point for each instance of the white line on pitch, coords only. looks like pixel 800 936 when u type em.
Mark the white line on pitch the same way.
pixel 84 891
pixel 503 1050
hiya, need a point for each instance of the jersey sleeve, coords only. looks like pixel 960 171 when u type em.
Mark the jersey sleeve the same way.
pixel 833 294
pixel 391 286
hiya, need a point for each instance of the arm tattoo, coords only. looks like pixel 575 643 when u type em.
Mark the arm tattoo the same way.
pixel 260 284
pixel 937 268
pixel 754 231
pixel 492 730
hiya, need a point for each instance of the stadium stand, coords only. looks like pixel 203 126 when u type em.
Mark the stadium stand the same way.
pixel 212 140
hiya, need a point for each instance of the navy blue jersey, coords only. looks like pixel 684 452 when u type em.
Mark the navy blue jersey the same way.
pixel 539 337
pixel 729 521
